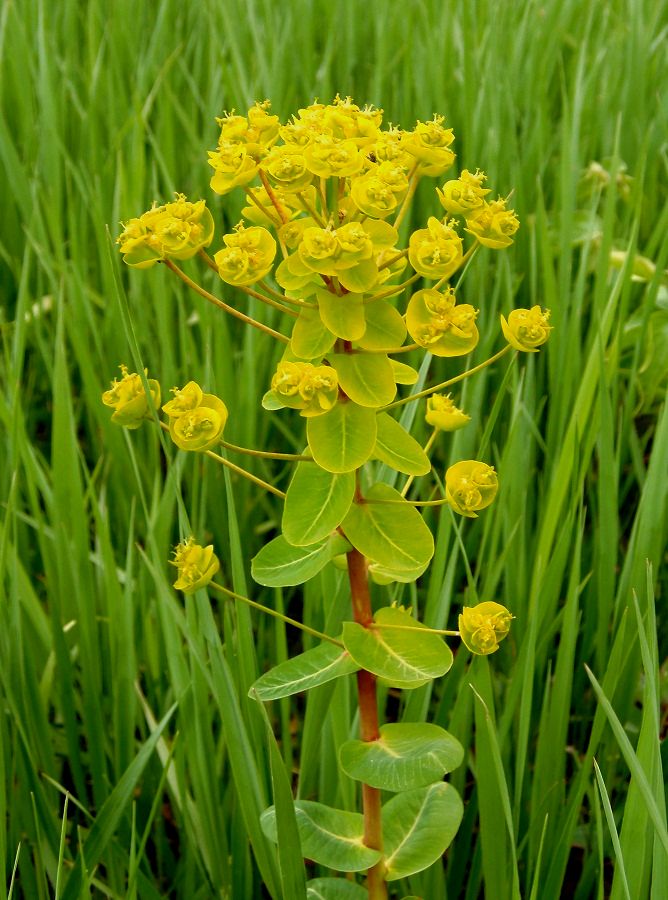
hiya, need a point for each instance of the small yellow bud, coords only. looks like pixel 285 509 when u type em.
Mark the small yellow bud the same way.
pixel 470 485
pixel 484 626
pixel 465 195
pixel 527 329
pixel 196 565
pixel 429 143
pixel 127 398
pixel 185 400
pixel 300 385
pixel 442 413
pixel 233 166
pixel 248 256
pixel 176 230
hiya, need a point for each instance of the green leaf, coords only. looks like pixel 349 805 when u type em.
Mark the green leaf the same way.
pixel 385 327
pixel 316 503
pixel 359 278
pixel 386 575
pixel 397 648
pixel 344 316
pixel 392 534
pixel 335 889
pixel 405 756
pixel 115 806
pixel 367 378
pixel 342 439
pixel 403 373
pixel 397 449
pixel 279 564
pixel 316 666
pixel 331 837
pixel 290 861
pixel 418 827
pixel 310 337
pixel 271 402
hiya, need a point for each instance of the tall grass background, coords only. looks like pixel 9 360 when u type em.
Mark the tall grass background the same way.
pixel 132 762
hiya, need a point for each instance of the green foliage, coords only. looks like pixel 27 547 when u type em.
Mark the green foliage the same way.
pixel 344 438
pixel 405 756
pixel 418 827
pixel 316 503
pixel 331 837
pixel 397 649
pixel 305 671
pixel 279 564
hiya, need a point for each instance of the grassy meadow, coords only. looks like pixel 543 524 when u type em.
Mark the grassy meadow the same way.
pixel 132 761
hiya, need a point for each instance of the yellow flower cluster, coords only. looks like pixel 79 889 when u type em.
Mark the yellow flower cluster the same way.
pixel 196 565
pixel 303 386
pixel 470 486
pixel 196 419
pixel 484 626
pixel 247 257
pixel 176 230
pixel 127 398
pixel 527 329
pixel 437 323
pixel 443 414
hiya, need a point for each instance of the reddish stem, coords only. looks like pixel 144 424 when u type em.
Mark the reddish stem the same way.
pixel 368 704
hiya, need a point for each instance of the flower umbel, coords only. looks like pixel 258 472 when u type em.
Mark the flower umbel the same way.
pixel 484 626
pixel 196 565
pixel 127 398
pixel 527 329
pixel 470 486
pixel 196 419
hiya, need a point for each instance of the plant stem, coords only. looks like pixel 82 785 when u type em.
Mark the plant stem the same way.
pixel 239 471
pixel 272 196
pixel 222 305
pixel 427 447
pixel 368 704
pixel 275 614
pixel 414 177
pixel 250 193
pixel 450 381
pixel 266 454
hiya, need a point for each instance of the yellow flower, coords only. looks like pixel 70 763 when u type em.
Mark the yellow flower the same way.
pixel 442 413
pixel 196 565
pixel 464 195
pixel 390 146
pixel 527 329
pixel 484 626
pixel 185 400
pixel 199 427
pixel 469 486
pixel 329 158
pixel 438 324
pixel 127 398
pixel 378 192
pixel 176 230
pixel 493 225
pixel 233 165
pixel 318 250
pixel 435 251
pixel 248 256
pixel 287 167
pixel 429 143
pixel 301 385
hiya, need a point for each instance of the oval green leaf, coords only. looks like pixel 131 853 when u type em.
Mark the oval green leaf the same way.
pixel 331 837
pixel 308 670
pixel 367 378
pixel 418 827
pixel 342 439
pixel 405 756
pixel 385 575
pixel 391 534
pixel 279 564
pixel 316 503
pixel 397 449
pixel 397 648
pixel 359 278
pixel 385 327
pixel 335 889
pixel 344 316
pixel 311 339
pixel 403 373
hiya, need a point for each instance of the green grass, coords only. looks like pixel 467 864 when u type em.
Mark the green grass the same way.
pixel 106 107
